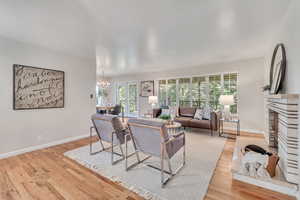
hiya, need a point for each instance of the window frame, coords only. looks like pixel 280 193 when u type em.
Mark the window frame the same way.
pixel 126 84
pixel 207 81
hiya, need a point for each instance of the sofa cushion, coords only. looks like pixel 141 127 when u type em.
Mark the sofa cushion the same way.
pixel 184 121
pixel 200 123
pixel 187 112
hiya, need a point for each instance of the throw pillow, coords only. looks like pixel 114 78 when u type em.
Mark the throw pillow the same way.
pixel 198 114
pixel 206 113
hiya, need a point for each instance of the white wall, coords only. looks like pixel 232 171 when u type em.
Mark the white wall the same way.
pixel 288 34
pixel 22 129
pixel 250 83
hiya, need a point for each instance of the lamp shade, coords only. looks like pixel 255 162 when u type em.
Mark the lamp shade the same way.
pixel 153 100
pixel 226 100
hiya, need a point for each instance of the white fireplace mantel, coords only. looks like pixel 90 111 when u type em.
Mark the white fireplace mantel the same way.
pixel 283 120
pixel 282 96
pixel 282 112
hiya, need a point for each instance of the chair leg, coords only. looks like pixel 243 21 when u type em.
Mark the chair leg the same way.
pixel 126 152
pixel 113 162
pixel 91 140
pixel 134 153
pixel 170 173
pixel 91 143
pixel 112 149
pixel 162 164
pixel 184 154
pixel 102 144
pixel 121 149
pixel 169 165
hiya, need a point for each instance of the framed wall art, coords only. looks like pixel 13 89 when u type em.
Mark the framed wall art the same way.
pixel 37 88
pixel 147 88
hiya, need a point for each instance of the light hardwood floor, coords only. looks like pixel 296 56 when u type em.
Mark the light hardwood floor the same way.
pixel 46 174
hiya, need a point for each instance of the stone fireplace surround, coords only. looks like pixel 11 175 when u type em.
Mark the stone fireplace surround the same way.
pixel 282 134
pixel 282 120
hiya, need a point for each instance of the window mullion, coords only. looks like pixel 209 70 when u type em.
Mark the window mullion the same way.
pixel 177 92
pixel 207 90
pixel 190 92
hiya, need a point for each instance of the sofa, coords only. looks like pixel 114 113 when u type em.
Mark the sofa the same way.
pixel 185 116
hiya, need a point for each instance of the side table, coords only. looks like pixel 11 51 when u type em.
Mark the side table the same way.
pixel 221 127
pixel 174 128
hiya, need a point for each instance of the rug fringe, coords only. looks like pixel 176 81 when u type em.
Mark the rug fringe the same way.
pixel 138 190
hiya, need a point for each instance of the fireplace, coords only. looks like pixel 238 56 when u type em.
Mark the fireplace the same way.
pixel 282 134
pixel 273 130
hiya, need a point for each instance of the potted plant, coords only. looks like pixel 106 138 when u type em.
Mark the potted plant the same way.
pixel 166 118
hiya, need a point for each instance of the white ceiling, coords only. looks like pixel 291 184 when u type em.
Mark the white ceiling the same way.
pixel 133 36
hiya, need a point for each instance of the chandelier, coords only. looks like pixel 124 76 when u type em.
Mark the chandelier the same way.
pixel 103 83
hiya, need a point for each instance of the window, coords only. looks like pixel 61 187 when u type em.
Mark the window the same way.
pixel 215 91
pixel 230 88
pixel 172 92
pixel 198 91
pixel 132 98
pixel 122 97
pixel 199 95
pixel 162 92
pixel 127 97
pixel 184 92
pixel 101 95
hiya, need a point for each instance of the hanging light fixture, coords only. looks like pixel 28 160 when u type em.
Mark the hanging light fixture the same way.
pixel 103 83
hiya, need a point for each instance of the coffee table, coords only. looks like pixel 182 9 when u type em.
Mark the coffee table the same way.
pixel 173 128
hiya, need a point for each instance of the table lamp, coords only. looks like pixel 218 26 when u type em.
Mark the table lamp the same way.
pixel 153 100
pixel 226 101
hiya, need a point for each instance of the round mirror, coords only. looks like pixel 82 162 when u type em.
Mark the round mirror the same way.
pixel 278 66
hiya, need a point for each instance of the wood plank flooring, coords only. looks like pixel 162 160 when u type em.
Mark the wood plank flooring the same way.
pixel 48 175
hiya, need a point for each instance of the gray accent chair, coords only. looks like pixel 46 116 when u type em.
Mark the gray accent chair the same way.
pixel 110 129
pixel 151 138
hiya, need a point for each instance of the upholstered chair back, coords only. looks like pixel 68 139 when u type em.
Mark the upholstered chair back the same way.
pixel 105 125
pixel 117 110
pixel 148 135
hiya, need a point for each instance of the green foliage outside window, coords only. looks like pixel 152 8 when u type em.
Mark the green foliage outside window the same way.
pixel 132 98
pixel 127 97
pixel 198 91
pixel 184 92
pixel 162 92
pixel 215 91
pixel 122 97
pixel 172 93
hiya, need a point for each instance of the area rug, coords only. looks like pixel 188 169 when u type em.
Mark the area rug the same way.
pixel 202 154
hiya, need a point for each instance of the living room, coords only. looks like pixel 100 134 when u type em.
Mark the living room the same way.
pixel 149 100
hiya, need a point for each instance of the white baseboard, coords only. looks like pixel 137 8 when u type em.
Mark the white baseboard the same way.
pixel 42 146
pixel 253 131
pixel 245 130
